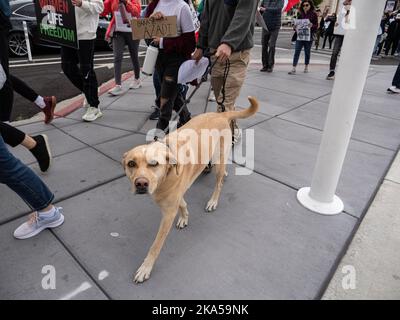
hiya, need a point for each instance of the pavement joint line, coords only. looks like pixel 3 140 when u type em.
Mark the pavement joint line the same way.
pixel 325 284
pixel 81 264
pixel 352 138
pixel 64 198
pixel 395 182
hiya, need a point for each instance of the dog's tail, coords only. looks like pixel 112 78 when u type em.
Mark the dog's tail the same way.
pixel 231 115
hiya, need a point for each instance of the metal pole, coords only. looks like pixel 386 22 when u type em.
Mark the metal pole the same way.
pixel 28 44
pixel 346 96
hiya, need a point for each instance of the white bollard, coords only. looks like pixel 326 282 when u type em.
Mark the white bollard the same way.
pixel 28 43
pixel 346 96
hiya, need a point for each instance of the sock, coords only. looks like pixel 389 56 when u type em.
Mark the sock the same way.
pixel 40 102
pixel 48 213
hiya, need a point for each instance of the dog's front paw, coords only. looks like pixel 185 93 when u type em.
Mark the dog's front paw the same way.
pixel 182 222
pixel 211 205
pixel 143 273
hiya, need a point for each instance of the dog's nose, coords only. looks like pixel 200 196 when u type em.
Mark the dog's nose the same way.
pixel 141 184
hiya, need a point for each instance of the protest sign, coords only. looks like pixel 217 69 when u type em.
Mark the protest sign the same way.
pixel 56 22
pixel 148 28
pixel 303 29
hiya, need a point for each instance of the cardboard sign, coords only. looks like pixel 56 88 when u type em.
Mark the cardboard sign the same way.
pixel 56 22
pixel 148 28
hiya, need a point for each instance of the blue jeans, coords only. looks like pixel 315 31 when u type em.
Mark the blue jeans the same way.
pixel 21 179
pixel 307 51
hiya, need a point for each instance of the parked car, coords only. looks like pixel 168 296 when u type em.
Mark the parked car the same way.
pixel 287 21
pixel 24 10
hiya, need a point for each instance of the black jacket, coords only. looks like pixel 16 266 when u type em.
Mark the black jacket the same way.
pixel 394 30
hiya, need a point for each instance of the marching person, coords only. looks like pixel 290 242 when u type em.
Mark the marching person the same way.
pixel 340 28
pixel 173 51
pixel 83 77
pixel 272 15
pixel 120 38
pixel 395 88
pixel 307 11
pixel 227 28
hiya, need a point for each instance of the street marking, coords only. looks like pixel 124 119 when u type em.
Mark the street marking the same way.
pixel 83 287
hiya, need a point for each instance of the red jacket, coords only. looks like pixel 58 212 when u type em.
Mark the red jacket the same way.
pixel 184 44
pixel 110 6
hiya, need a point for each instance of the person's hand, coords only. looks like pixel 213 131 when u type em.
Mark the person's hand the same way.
pixel 310 25
pixel 223 52
pixel 197 54
pixel 156 40
pixel 157 15
pixel 262 9
pixel 77 3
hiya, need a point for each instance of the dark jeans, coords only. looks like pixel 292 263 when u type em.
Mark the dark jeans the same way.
pixel 329 37
pixel 396 79
pixel 21 179
pixel 391 43
pixel 167 68
pixel 11 135
pixel 6 93
pixel 82 77
pixel 23 89
pixel 268 40
pixel 336 50
pixel 307 51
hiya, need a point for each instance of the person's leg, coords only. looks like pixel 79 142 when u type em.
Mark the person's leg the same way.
pixel 22 180
pixel 335 53
pixel 396 78
pixel 394 46
pixel 388 44
pixel 265 35
pixel 324 42
pixel 169 87
pixel 272 44
pixel 299 47
pixel 307 53
pixel 90 86
pixel 46 104
pixel 69 65
pixel 118 50
pixel 133 46
pixel 37 145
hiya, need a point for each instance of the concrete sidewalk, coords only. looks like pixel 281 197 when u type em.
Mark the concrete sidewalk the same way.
pixel 259 244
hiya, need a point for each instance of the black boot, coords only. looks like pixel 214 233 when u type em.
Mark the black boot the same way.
pixel 184 114
pixel 165 116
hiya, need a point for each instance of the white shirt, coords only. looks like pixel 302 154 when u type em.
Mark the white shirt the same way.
pixel 181 10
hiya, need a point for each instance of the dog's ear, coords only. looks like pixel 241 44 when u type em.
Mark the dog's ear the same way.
pixel 171 159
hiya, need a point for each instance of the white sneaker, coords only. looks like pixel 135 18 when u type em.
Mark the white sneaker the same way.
pixel 211 97
pixel 116 91
pixel 393 89
pixel 92 114
pixel 38 222
pixel 135 84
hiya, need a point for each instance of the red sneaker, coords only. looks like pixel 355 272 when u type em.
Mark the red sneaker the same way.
pixel 48 110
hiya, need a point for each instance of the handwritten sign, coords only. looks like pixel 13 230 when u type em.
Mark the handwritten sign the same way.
pixel 148 28
pixel 303 29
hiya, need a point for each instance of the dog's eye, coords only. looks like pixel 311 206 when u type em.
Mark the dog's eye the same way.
pixel 131 164
pixel 153 163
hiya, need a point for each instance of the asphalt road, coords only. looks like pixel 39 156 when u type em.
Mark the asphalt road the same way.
pixel 44 75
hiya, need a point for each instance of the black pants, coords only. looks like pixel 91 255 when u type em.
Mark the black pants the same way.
pixel 329 37
pixel 12 136
pixel 336 50
pixel 23 89
pixel 167 67
pixel 268 47
pixel 396 78
pixel 82 77
pixel 6 93
pixel 391 43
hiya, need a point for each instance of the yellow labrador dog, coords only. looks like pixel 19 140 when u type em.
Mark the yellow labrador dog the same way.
pixel 167 168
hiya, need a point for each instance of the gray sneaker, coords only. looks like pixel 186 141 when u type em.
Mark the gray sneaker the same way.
pixel 38 223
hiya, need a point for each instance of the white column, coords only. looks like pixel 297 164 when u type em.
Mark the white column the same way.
pixel 346 96
pixel 28 43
